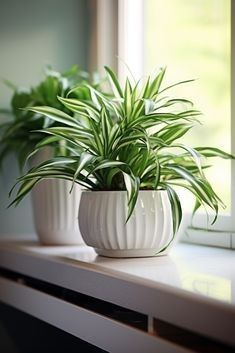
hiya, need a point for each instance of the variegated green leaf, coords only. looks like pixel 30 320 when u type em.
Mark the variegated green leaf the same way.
pixel 171 133
pixel 128 98
pixel 79 106
pixel 175 206
pixel 56 115
pixel 132 186
pixel 155 85
pixel 114 82
pixel 213 152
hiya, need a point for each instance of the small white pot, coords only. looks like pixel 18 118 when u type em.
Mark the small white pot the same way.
pixel 102 222
pixel 55 212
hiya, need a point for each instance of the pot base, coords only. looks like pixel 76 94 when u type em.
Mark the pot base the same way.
pixel 129 253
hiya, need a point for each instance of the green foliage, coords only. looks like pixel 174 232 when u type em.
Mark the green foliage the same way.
pixel 16 135
pixel 128 142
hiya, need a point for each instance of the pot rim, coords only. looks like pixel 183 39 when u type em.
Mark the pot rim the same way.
pixel 121 191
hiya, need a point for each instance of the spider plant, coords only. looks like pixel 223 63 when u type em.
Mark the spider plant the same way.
pixel 128 142
pixel 16 134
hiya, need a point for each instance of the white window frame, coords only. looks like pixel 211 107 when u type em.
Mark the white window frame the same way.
pixel 117 20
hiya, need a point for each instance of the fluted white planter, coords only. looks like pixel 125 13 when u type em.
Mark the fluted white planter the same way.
pixel 102 222
pixel 55 212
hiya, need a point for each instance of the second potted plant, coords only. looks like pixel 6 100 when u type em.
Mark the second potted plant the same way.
pixel 53 205
pixel 128 156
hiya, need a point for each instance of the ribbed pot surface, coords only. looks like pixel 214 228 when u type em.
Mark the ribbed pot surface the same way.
pixel 55 212
pixel 102 222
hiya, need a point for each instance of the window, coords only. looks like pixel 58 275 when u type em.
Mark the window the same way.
pixel 202 52
pixel 191 38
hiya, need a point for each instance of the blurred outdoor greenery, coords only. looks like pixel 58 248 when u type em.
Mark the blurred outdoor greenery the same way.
pixel 192 38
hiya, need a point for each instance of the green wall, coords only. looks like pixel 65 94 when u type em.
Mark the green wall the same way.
pixel 32 34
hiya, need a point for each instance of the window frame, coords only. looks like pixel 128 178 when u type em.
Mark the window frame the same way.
pixel 116 53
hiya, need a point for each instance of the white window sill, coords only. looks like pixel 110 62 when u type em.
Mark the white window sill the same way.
pixel 193 288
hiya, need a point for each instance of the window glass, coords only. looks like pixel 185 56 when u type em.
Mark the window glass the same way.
pixel 192 38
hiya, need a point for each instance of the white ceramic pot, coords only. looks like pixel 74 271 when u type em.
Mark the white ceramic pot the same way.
pixel 102 222
pixel 55 212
